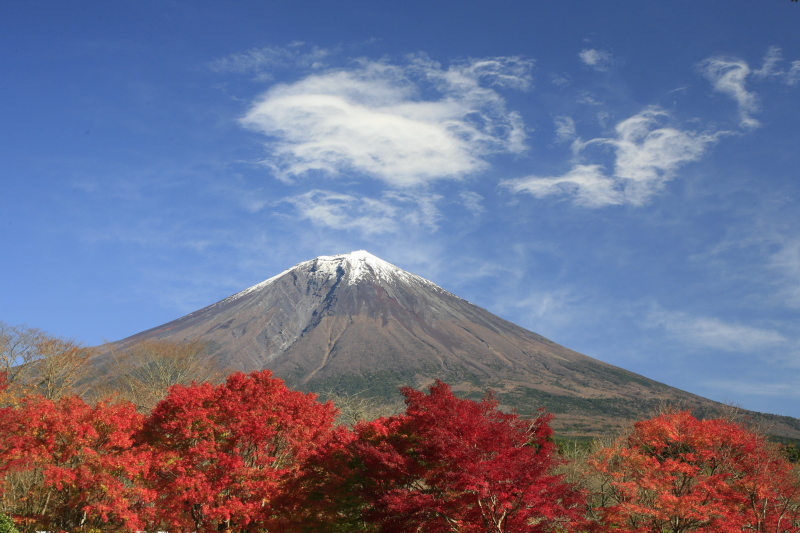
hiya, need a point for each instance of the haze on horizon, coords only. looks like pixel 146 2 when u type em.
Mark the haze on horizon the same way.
pixel 620 178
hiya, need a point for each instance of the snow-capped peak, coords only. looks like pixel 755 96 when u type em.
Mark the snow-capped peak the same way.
pixel 357 266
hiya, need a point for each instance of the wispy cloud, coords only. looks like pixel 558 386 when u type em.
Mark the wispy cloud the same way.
pixel 588 99
pixel 599 60
pixel 729 76
pixel 418 208
pixel 770 70
pixel 565 129
pixel 472 201
pixel 762 252
pixel 793 75
pixel 405 125
pixel 737 387
pixel 587 183
pixel 647 156
pixel 769 66
pixel 786 262
pixel 714 333
pixel 368 216
pixel 259 61
pixel 561 80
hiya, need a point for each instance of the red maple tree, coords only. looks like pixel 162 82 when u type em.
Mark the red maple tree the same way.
pixel 454 465
pixel 224 454
pixel 68 465
pixel 675 473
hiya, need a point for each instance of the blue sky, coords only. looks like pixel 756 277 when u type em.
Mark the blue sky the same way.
pixel 621 177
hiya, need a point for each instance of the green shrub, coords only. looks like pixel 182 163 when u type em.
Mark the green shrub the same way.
pixel 7 525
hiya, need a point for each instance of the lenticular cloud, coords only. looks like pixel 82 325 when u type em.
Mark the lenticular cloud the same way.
pixel 404 125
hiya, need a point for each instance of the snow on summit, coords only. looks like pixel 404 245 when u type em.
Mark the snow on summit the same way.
pixel 357 266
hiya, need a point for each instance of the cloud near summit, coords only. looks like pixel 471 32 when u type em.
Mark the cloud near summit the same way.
pixel 392 212
pixel 405 125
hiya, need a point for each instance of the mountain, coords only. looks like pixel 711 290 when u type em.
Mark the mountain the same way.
pixel 354 323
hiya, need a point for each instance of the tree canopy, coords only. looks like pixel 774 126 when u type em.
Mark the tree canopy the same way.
pixel 675 473
pixel 251 455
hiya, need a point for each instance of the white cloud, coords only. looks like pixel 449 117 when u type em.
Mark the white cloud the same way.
pixel 252 60
pixel 647 156
pixel 781 390
pixel 405 125
pixel 393 212
pixel 793 76
pixel 561 80
pixel 729 77
pixel 590 186
pixel 715 333
pixel 588 99
pixel 258 61
pixel 763 250
pixel 473 202
pixel 786 261
pixel 599 60
pixel 549 309
pixel 602 118
pixel 512 72
pixel 565 129
pixel 769 66
pixel 420 208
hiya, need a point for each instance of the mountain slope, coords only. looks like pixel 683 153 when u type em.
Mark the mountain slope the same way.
pixel 355 323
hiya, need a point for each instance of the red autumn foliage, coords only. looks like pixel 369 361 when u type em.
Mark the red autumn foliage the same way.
pixel 251 455
pixel 453 465
pixel 223 454
pixel 5 385
pixel 676 474
pixel 69 465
